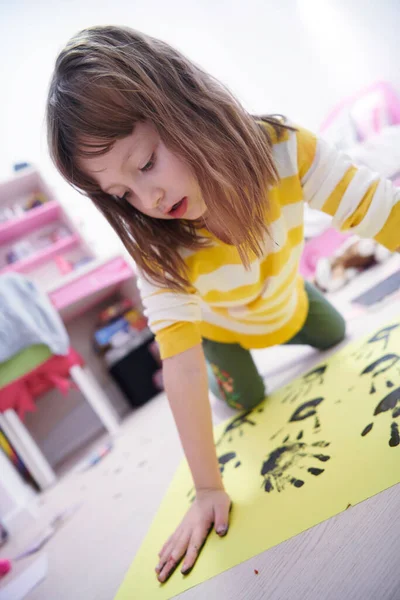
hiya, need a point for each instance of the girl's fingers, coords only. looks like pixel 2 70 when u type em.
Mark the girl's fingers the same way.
pixel 178 551
pixel 164 555
pixel 197 540
pixel 221 519
pixel 167 543
pixel 167 569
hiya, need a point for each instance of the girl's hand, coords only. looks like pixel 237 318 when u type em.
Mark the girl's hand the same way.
pixel 210 507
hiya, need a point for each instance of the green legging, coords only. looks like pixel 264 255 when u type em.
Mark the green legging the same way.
pixel 232 373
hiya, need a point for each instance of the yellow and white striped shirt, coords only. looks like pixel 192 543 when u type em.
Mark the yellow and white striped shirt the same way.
pixel 267 304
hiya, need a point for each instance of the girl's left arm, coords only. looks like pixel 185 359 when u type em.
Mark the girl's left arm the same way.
pixel 358 199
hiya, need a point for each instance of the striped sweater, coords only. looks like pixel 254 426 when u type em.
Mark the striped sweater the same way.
pixel 266 304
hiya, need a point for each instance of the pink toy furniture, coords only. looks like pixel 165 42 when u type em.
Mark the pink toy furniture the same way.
pixel 51 236
pixel 43 243
pixel 358 117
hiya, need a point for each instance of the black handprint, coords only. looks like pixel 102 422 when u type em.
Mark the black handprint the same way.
pixel 275 469
pixel 307 410
pixel 304 386
pixel 223 460
pixel 389 402
pixel 381 365
pixel 304 411
pixel 383 335
pixel 238 423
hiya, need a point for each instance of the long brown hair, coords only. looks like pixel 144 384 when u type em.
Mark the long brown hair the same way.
pixel 107 79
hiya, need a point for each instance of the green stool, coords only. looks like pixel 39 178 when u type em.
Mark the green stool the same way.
pixel 12 369
pixel 23 362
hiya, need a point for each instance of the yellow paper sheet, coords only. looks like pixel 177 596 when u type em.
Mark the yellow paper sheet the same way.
pixel 326 440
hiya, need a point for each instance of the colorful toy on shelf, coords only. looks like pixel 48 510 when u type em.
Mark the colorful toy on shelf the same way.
pixel 354 256
pixel 16 460
pixel 114 311
pixel 136 319
pixel 35 200
pixel 119 323
pixel 26 247
pixel 19 207
pixel 18 251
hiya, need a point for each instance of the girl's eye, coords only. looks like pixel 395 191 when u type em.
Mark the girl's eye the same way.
pixel 150 164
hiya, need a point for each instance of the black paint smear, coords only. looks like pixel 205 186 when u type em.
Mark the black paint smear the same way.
pixel 373 389
pixel 316 374
pixel 317 424
pixel 322 457
pixel 300 435
pixel 389 384
pixel 224 459
pixel 306 410
pixel 306 383
pixel 275 468
pixel 321 444
pixel 389 402
pixel 367 429
pixel 237 423
pixel 382 364
pixel 315 471
pixel 297 482
pixel 394 438
pixel 191 495
pixel 286 439
pixel 276 434
pixel 383 334
pixel 268 486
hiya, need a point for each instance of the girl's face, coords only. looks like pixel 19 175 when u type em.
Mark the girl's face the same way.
pixel 155 181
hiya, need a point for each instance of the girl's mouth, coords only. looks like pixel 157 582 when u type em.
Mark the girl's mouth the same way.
pixel 179 209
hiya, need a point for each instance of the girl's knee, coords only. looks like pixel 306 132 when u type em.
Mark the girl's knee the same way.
pixel 337 333
pixel 248 401
pixel 236 396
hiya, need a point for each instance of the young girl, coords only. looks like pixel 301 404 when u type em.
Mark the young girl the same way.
pixel 209 202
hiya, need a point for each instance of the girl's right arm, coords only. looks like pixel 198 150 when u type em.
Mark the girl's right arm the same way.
pixel 186 384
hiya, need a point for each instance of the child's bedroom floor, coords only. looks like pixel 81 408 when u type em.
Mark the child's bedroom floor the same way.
pixel 350 556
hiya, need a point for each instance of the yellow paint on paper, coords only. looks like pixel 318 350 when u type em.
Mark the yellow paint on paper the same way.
pixel 326 440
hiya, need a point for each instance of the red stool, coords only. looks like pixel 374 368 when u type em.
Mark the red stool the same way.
pixel 19 396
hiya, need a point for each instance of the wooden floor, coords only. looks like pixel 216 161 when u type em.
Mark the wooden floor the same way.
pixel 355 555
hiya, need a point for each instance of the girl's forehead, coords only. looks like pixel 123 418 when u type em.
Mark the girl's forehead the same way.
pixel 134 146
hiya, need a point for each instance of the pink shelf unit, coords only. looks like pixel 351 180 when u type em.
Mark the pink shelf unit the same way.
pixel 109 274
pixel 42 256
pixel 32 219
